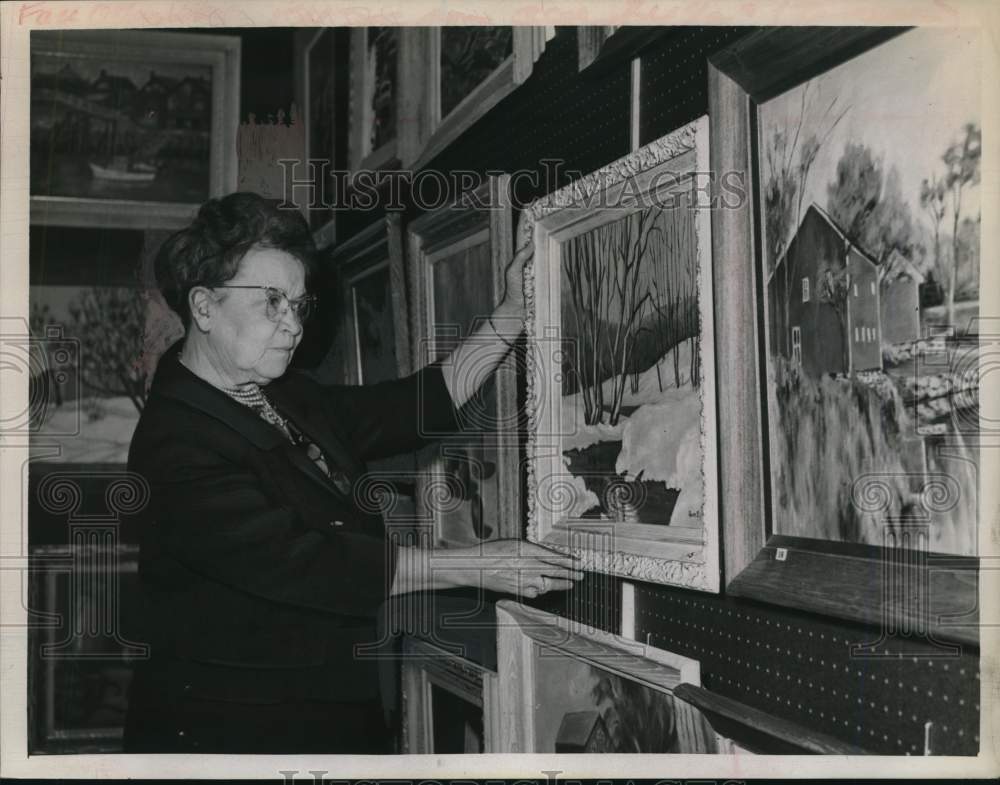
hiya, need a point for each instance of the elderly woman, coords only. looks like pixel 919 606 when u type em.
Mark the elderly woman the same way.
pixel 262 574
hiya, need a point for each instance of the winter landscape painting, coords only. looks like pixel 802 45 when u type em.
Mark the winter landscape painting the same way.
pixel 870 179
pixel 623 438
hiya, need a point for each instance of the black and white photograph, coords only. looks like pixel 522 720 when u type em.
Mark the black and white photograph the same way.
pixel 480 389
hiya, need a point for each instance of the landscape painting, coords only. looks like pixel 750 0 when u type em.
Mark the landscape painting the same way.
pixel 583 708
pixel 106 129
pixel 90 389
pixel 621 392
pixel 632 370
pixel 870 193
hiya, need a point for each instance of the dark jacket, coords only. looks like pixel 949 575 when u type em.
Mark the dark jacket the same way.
pixel 261 576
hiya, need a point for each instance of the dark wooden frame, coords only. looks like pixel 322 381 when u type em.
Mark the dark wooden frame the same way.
pixel 837 579
pixel 484 212
pixel 378 245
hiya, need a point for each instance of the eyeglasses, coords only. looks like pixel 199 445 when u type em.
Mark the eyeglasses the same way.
pixel 278 302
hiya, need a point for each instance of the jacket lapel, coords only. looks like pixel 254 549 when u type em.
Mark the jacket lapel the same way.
pixel 174 381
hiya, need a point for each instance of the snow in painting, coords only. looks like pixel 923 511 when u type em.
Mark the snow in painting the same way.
pixel 631 370
pixel 89 383
pixel 870 194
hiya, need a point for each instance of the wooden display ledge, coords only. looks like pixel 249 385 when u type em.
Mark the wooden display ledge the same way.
pixel 759 731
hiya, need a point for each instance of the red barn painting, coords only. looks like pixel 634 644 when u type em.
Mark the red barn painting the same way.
pixel 824 312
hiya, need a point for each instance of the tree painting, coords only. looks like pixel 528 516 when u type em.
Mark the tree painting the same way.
pixel 866 214
pixel 961 160
pixel 632 367
pixel 638 719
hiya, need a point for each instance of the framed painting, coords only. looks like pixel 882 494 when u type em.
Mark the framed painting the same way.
pixel 450 705
pixel 89 384
pixel 457 258
pixel 326 70
pixel 375 322
pixel 469 71
pixel 621 370
pixel 131 128
pixel 376 82
pixel 80 664
pixel 575 690
pixel 373 341
pixel 849 396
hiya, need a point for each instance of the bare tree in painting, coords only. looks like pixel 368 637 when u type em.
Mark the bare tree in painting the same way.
pixel 109 324
pixel 962 161
pixel 674 292
pixel 587 276
pixel 604 271
pixel 630 242
pixel 932 199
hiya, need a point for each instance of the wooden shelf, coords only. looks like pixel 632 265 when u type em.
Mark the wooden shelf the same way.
pixel 759 731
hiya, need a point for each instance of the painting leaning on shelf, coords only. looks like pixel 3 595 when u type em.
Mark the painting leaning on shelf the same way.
pixel 871 227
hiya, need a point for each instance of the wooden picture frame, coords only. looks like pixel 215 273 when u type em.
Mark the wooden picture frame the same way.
pixel 852 581
pixel 79 650
pixel 130 189
pixel 321 97
pixel 439 127
pixel 426 668
pixel 374 251
pixel 590 41
pixel 482 220
pixel 526 636
pixel 625 521
pixel 364 151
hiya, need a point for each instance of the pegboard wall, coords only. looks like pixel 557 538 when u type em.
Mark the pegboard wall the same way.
pixel 800 667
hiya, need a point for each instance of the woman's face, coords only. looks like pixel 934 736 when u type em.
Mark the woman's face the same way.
pixel 246 343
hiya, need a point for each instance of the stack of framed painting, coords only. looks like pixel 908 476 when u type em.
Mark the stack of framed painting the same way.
pixel 847 264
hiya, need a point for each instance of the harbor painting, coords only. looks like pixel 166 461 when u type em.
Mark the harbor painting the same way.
pixel 102 129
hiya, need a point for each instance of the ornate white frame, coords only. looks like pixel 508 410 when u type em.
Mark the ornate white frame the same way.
pixel 482 215
pixel 220 53
pixel 522 630
pixel 426 666
pixel 639 551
